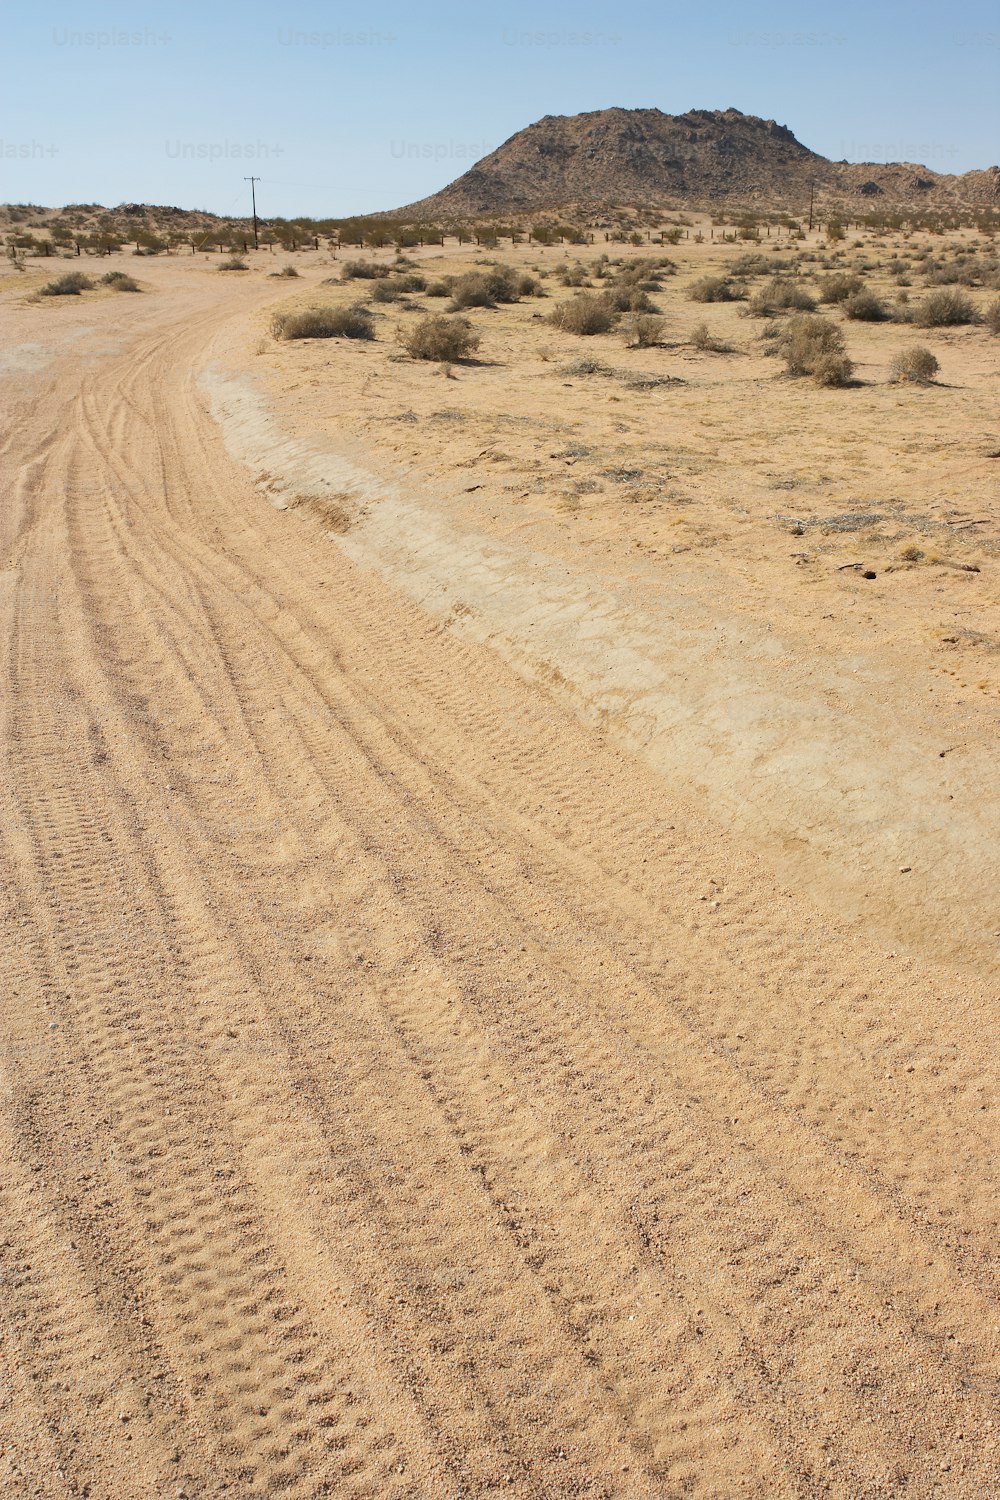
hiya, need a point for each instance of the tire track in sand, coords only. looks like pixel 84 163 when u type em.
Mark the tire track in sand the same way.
pixel 442 1149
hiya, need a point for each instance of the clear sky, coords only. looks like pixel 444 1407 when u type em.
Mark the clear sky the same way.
pixel 352 108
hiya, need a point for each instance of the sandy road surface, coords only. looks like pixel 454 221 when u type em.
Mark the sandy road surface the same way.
pixel 384 1111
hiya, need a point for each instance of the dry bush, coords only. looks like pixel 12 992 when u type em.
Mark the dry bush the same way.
pixel 644 331
pixel 586 313
pixel 703 340
pixel 472 290
pixel 991 317
pixel 233 263
pixel 914 366
pixel 528 285
pixel 646 273
pixel 391 288
pixel 756 265
pixel 498 283
pixel 120 281
pixel 441 338
pixel 629 298
pixel 715 289
pixel 945 309
pixel 286 271
pixel 814 346
pixel 572 275
pixel 70 285
pixel 438 289
pixel 780 296
pixel 363 270
pixel 508 284
pixel 838 288
pixel 865 307
pixel 323 323
pixel 386 289
pixel 833 370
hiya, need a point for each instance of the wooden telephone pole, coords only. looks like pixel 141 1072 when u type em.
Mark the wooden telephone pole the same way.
pixel 253 200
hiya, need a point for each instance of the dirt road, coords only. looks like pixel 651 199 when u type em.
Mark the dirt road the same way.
pixel 403 1095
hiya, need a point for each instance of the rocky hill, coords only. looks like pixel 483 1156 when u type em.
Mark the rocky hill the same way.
pixel 643 156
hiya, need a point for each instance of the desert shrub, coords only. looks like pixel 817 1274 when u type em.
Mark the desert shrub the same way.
pixel 714 289
pixel 945 309
pixel 780 296
pixel 233 263
pixel 323 323
pixel 646 273
pixel 630 299
pixel 472 290
pixel 706 342
pixel 391 288
pixel 865 307
pixel 644 330
pixel 813 345
pixel 660 265
pixel 572 275
pixel 120 281
pixel 754 265
pixel 438 289
pixel 497 283
pixel 286 271
pixel 508 284
pixel 70 285
pixel 386 289
pixel 833 370
pixel 586 313
pixel 363 270
pixel 915 366
pixel 838 288
pixel 441 338
pixel 991 317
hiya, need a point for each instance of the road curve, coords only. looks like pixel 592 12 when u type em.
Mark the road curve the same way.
pixel 401 1097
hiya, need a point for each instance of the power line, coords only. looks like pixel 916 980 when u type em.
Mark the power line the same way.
pixel 253 200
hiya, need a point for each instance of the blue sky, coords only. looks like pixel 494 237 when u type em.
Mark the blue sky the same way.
pixel 349 109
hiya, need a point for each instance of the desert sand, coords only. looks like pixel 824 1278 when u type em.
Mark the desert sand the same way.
pixel 499 915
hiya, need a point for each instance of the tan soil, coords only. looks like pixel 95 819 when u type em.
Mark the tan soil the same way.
pixel 466 1027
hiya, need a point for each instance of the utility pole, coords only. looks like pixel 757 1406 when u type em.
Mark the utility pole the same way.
pixel 812 189
pixel 253 200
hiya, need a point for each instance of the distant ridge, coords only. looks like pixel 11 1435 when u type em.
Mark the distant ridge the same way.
pixel 613 157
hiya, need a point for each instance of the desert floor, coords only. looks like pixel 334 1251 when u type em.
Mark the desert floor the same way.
pixel 500 917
